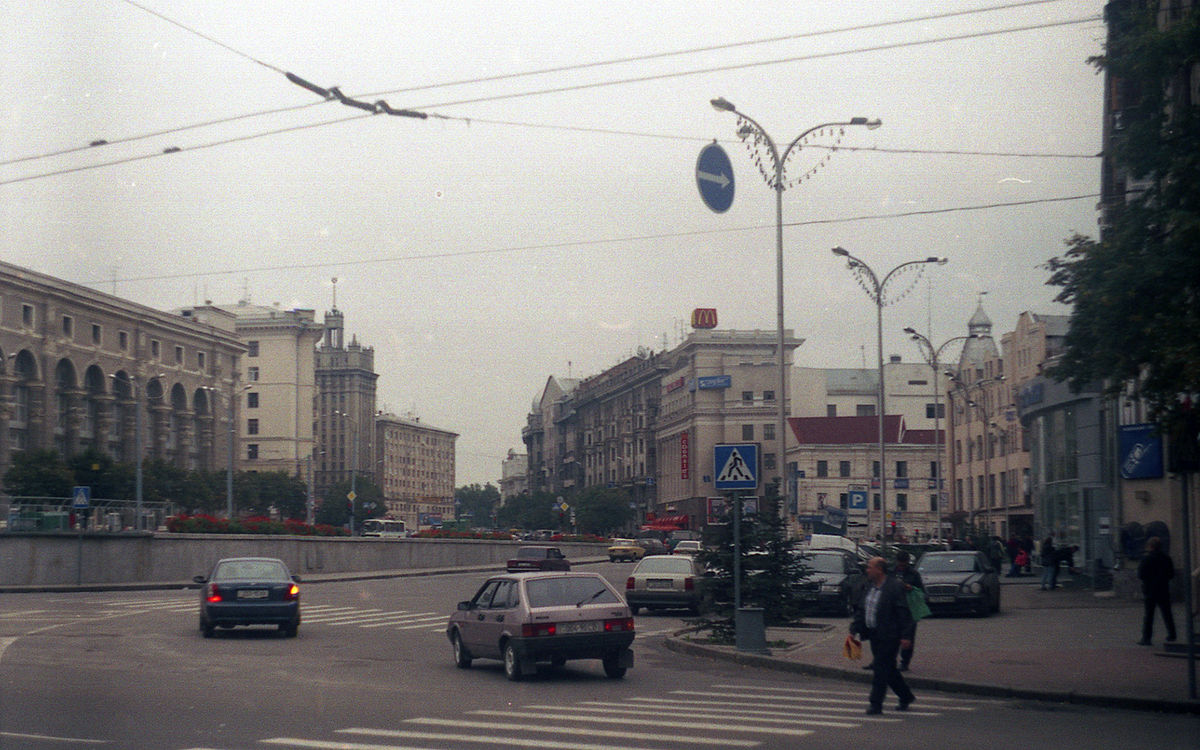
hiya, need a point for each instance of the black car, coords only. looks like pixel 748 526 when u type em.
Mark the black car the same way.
pixel 249 591
pixel 834 576
pixel 960 581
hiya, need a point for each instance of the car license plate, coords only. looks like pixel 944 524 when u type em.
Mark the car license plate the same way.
pixel 587 626
pixel 941 599
pixel 252 594
pixel 658 583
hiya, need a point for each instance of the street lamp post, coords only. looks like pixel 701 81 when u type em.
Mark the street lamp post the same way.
pixel 749 127
pixel 932 357
pixel 137 447
pixel 877 292
pixel 353 464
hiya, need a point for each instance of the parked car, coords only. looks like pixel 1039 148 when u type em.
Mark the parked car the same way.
pixel 525 618
pixel 538 558
pixel 687 547
pixel 652 545
pixel 666 582
pixel 249 591
pixel 960 581
pixel 625 549
pixel 835 576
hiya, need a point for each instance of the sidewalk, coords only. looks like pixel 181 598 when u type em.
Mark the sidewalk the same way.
pixel 1067 645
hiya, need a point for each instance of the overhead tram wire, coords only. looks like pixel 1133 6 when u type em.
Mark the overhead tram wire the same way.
pixel 510 76
pixel 589 243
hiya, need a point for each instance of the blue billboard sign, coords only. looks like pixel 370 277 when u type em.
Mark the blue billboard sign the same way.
pixel 1141 452
pixel 712 382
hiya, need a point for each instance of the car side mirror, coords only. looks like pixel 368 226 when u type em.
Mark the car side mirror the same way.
pixel 464 606
pixel 199 579
pixel 296 578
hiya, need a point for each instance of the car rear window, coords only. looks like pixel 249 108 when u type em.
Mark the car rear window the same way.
pixel 827 563
pixel 250 570
pixel 534 552
pixel 569 591
pixel 947 564
pixel 665 565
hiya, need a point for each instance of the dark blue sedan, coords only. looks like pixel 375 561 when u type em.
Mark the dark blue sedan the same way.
pixel 249 591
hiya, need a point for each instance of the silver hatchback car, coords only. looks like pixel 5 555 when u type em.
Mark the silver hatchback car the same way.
pixel 524 618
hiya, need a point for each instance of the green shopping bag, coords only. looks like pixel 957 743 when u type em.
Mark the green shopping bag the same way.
pixel 917 605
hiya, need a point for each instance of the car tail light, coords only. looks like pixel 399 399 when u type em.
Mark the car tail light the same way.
pixel 538 629
pixel 214 594
pixel 291 592
pixel 689 584
pixel 629 585
pixel 616 626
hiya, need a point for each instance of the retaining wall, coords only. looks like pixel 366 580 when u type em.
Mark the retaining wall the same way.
pixel 66 559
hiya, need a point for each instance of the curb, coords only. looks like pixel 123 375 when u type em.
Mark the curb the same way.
pixel 762 661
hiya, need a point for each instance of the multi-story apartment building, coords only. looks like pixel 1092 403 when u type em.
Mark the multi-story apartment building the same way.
pixel 514 475
pixel 275 384
pixel 77 366
pixel 909 389
pixel 344 410
pixel 416 470
pixel 717 387
pixel 838 458
pixel 545 438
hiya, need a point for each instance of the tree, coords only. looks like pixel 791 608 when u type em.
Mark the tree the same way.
pixel 770 567
pixel 257 493
pixel 1136 292
pixel 528 511
pixel 108 479
pixel 38 474
pixel 601 510
pixel 335 507
pixel 477 503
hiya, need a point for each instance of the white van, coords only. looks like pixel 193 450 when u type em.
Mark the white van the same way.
pixel 384 527
pixel 833 541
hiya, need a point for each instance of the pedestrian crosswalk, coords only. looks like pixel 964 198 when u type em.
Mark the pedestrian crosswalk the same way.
pixel 320 614
pixel 729 715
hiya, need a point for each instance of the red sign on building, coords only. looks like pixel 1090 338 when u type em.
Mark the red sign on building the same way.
pixel 704 317
pixel 684 455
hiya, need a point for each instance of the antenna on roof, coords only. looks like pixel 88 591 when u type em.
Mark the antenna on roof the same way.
pixel 334 280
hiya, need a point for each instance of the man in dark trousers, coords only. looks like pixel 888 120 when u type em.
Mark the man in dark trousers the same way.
pixel 1156 571
pixel 911 580
pixel 882 617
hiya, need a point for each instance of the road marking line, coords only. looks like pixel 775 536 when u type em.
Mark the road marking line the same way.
pixel 649 722
pixel 51 738
pixel 591 732
pixel 442 618
pixel 947 703
pixel 493 740
pixel 719 708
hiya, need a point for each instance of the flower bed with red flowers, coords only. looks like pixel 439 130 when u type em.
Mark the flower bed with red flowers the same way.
pixel 202 523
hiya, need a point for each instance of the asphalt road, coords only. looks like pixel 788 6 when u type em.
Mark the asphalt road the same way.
pixel 371 668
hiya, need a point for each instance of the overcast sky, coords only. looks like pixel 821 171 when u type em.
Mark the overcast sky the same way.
pixel 549 223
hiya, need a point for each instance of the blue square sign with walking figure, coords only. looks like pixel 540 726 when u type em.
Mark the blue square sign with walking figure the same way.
pixel 736 466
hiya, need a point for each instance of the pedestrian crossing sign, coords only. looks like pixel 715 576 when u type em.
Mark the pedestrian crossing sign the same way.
pixel 736 466
pixel 81 497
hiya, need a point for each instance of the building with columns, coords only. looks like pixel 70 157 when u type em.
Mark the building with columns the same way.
pixel 82 369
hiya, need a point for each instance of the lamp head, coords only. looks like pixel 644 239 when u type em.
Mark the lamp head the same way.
pixel 870 124
pixel 721 104
pixel 839 250
pixel 910 329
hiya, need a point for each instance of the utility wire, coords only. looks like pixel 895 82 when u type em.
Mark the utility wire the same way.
pixel 203 36
pixel 591 243
pixel 327 95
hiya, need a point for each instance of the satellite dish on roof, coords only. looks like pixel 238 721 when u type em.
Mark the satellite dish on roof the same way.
pixel 643 352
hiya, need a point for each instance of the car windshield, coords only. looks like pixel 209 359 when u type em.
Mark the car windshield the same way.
pixel 947 564
pixel 826 563
pixel 665 565
pixel 250 570
pixel 568 591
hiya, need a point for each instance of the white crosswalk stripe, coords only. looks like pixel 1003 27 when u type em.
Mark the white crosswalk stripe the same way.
pixel 721 715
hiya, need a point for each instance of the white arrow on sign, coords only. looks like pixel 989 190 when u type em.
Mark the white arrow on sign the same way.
pixel 720 179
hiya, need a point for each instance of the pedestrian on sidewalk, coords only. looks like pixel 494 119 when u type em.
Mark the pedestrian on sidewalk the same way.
pixel 1020 562
pixel 911 579
pixel 882 617
pixel 1049 563
pixel 1156 571
pixel 1027 548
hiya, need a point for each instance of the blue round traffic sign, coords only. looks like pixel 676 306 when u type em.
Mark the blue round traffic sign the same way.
pixel 714 177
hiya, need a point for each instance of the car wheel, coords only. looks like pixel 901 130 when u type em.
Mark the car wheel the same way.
pixel 512 663
pixel 634 609
pixel 462 657
pixel 206 628
pixel 290 629
pixel 558 661
pixel 613 668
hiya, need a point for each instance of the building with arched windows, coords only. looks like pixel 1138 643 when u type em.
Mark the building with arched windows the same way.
pixel 82 369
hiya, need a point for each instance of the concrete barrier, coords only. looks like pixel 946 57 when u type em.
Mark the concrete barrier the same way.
pixel 66 559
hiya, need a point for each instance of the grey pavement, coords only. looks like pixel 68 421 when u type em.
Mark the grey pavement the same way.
pixel 1070 645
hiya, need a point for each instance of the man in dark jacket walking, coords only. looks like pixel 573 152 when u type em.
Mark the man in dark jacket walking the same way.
pixel 882 617
pixel 1156 571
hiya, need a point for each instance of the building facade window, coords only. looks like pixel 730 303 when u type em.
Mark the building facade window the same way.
pixel 901 501
pixel 68 326
pixel 843 468
pixel 769 397
pixel 179 355
pixel 155 349
pixel 747 432
pixel 831 410
pixel 27 316
pixel 251 400
pixel 864 410
pixel 768 462
pixel 822 468
pixel 200 361
pixel 747 397
pixel 251 348
pixel 251 426
pixel 769 431
pixel 901 469
pixel 97 334
pixel 252 452
pixel 123 340
pixel 251 373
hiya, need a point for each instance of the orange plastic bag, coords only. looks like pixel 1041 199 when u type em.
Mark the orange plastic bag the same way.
pixel 852 648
